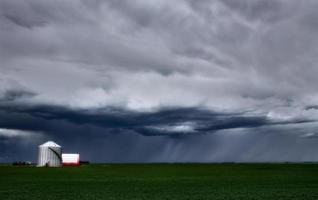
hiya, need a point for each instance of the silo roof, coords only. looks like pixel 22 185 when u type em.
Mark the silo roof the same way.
pixel 50 144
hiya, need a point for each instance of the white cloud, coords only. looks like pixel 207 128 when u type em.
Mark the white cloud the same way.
pixel 309 135
pixel 13 133
pixel 186 127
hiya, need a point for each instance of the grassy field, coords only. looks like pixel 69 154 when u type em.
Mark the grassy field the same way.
pixel 162 181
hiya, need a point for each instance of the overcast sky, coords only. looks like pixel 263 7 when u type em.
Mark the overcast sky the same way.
pixel 159 80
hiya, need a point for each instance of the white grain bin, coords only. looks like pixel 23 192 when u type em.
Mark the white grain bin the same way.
pixel 50 154
pixel 71 159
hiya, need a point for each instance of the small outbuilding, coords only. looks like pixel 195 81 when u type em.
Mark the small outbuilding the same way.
pixel 50 155
pixel 70 159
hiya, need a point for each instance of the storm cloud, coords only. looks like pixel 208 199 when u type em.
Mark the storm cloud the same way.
pixel 160 81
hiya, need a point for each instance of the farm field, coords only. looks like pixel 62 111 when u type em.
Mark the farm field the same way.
pixel 161 181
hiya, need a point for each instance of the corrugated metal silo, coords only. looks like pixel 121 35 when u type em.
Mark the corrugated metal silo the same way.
pixel 50 154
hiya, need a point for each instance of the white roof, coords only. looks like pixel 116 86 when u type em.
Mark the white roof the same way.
pixel 70 154
pixel 50 144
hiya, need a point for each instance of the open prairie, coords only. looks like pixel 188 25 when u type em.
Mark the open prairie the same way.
pixel 161 181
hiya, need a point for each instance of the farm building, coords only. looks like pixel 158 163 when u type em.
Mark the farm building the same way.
pixel 50 154
pixel 70 159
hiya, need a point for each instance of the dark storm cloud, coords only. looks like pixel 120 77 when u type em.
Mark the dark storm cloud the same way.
pixel 12 95
pixel 23 14
pixel 265 10
pixel 167 121
pixel 315 107
pixel 121 134
pixel 212 80
pixel 22 22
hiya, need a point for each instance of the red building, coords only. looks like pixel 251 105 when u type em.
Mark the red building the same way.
pixel 70 159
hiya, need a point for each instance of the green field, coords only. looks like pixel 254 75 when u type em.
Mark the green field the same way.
pixel 162 181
